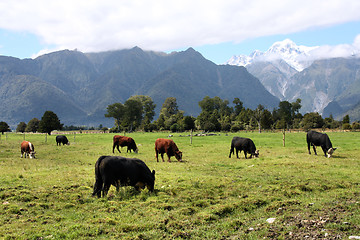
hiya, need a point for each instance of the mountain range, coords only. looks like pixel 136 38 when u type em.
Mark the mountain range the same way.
pixel 79 86
pixel 326 85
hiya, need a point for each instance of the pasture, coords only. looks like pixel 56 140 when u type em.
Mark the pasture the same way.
pixel 285 193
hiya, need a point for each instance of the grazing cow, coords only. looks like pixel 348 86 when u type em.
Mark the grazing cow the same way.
pixel 169 147
pixel 123 141
pixel 243 144
pixel 121 171
pixel 28 149
pixel 61 139
pixel 320 139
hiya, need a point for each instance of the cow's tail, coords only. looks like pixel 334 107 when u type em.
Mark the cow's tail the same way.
pixel 98 178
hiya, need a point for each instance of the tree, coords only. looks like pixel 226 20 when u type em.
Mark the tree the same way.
pixel 21 127
pixel 49 122
pixel 215 114
pixel 148 108
pixel 170 115
pixel 4 127
pixel 238 106
pixel 285 112
pixel 258 115
pixel 266 119
pixel 133 114
pixel 33 125
pixel 169 107
pixel 116 111
pixel 346 119
pixel 312 120
pixel 295 108
pixel 189 123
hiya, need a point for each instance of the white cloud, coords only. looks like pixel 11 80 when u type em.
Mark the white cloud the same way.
pixel 341 50
pixel 92 25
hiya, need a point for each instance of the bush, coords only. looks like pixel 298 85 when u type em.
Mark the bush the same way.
pixel 175 127
pixel 346 126
pixel 355 125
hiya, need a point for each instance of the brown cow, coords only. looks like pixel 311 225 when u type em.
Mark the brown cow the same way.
pixel 167 146
pixel 123 141
pixel 28 149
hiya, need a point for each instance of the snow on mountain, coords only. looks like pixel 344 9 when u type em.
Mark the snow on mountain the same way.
pixel 296 56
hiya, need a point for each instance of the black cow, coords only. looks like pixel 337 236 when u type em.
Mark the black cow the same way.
pixel 121 171
pixel 243 144
pixel 61 139
pixel 320 139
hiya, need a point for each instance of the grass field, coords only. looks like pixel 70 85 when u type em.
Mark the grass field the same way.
pixel 208 196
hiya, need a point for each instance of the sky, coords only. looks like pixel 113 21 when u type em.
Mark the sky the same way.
pixel 217 29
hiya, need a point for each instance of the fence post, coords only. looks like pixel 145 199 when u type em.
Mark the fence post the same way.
pixel 283 137
pixel 45 137
pixel 74 136
pixel 191 134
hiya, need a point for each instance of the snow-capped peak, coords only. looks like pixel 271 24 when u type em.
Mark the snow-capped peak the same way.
pixel 296 56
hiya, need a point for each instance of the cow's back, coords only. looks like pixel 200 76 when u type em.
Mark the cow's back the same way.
pixel 26 146
pixel 245 144
pixel 318 139
pixel 161 144
pixel 128 171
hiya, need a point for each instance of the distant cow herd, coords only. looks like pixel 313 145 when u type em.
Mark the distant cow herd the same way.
pixel 120 171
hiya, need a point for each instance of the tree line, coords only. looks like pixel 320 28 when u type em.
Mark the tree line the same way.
pixel 137 113
pixel 49 122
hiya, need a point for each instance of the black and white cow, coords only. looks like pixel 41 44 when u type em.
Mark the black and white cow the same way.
pixel 243 144
pixel 121 171
pixel 61 139
pixel 320 139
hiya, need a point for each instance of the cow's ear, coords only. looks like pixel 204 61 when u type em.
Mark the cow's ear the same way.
pixel 153 173
pixel 334 149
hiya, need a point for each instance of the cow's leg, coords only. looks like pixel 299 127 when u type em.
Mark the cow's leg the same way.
pixel 168 157
pixel 105 189
pixel 231 151
pixel 22 153
pixel 314 147
pixel 324 150
pixel 117 185
pixel 162 156
pixel 117 147
pixel 245 154
pixel 97 188
pixel 308 143
pixel 157 155
pixel 237 153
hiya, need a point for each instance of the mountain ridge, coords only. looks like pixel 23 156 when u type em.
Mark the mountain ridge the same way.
pixel 289 71
pixel 79 86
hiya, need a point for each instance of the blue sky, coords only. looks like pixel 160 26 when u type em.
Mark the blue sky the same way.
pixel 217 29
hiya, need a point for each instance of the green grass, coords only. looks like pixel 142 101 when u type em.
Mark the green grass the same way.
pixel 208 196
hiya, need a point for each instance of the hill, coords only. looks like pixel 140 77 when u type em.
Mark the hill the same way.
pixel 79 86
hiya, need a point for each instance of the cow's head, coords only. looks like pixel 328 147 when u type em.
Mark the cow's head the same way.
pixel 150 185
pixel 330 152
pixel 32 154
pixel 68 143
pixel 136 150
pixel 256 153
pixel 178 155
